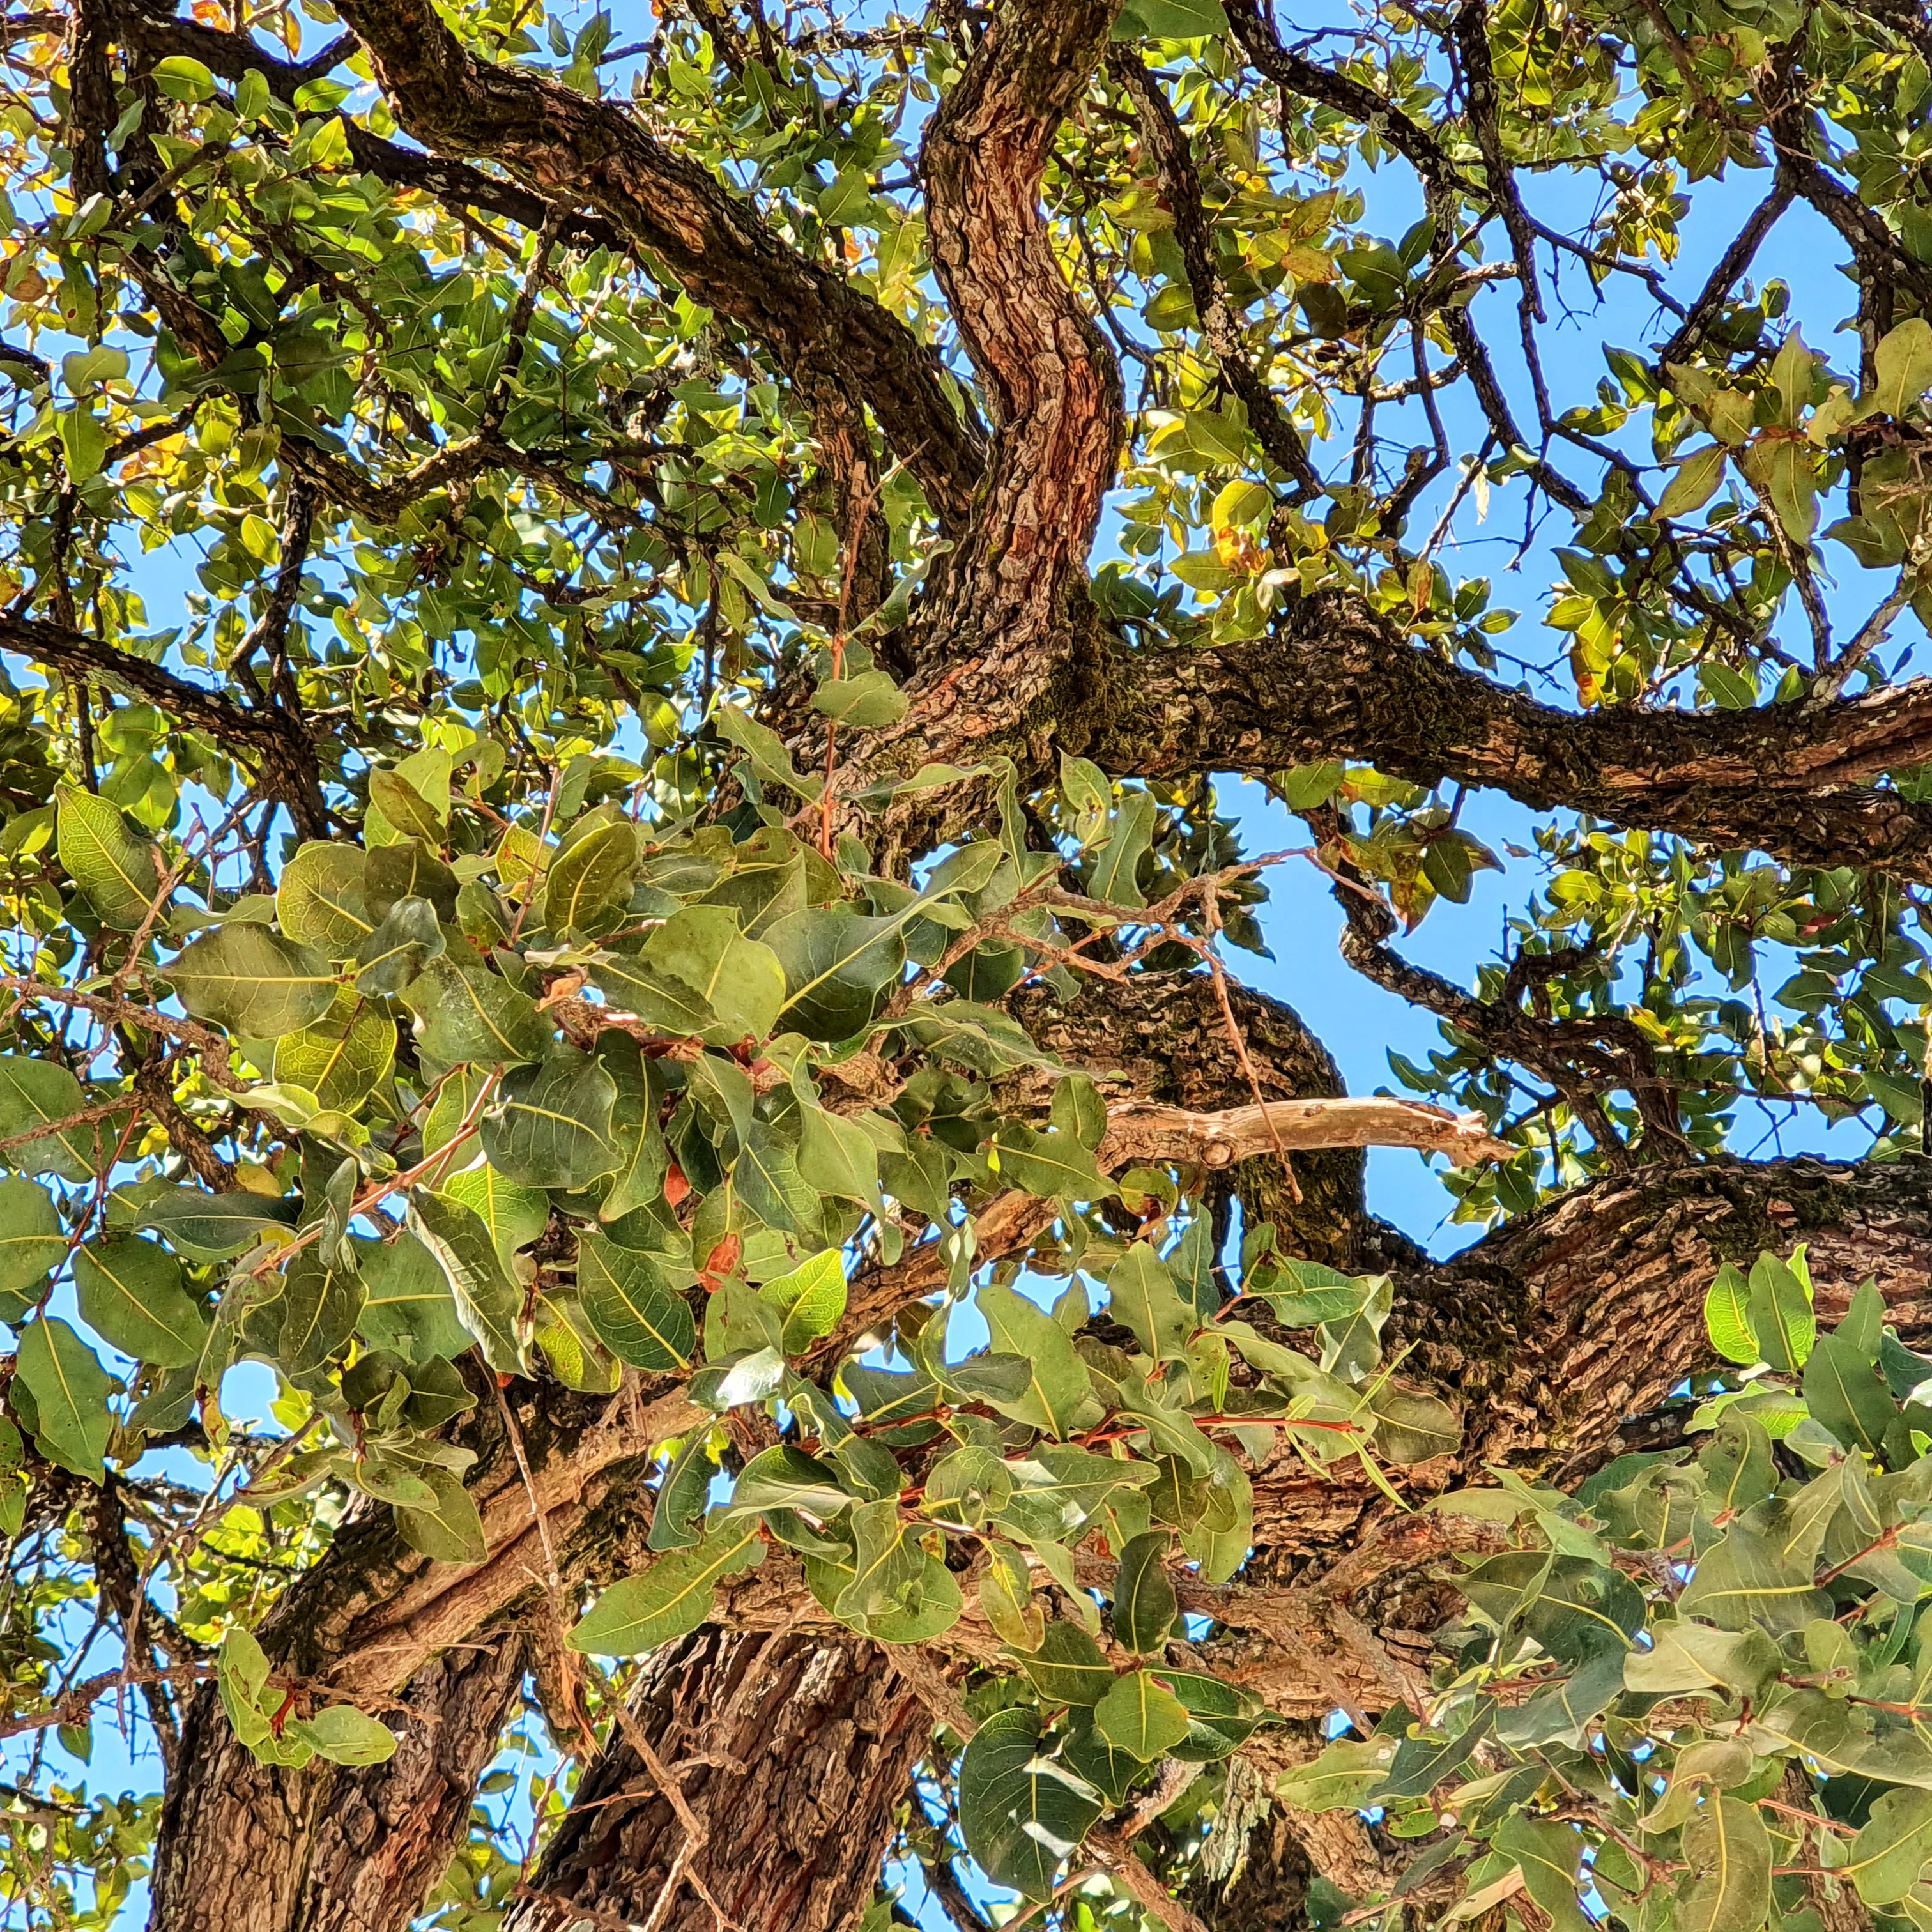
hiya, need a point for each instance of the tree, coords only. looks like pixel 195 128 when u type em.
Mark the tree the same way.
pixel 665 880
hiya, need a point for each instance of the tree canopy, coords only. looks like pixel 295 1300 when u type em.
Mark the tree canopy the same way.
pixel 619 629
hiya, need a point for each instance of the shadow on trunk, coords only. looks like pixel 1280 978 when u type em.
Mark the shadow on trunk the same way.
pixel 796 1753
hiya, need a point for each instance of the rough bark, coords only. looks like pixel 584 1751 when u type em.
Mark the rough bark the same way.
pixel 1550 1333
pixel 1052 391
pixel 1334 680
pixel 794 1753
pixel 1166 1040
pixel 275 739
pixel 246 1848
pixel 794 1740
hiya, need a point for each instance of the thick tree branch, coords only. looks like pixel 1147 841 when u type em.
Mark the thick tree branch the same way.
pixel 1735 260
pixel 1334 680
pixel 154 35
pixel 997 628
pixel 845 352
pixel 1138 1130
pixel 273 736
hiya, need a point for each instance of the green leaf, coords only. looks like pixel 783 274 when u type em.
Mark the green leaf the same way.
pixel 866 702
pixel 1698 474
pixel 633 1310
pixel 1221 1717
pixel 1141 1296
pixel 1066 1667
pixel 1729 1852
pixel 465 1013
pixel 254 981
pixel 1140 1716
pixel 553 1128
pixel 404 807
pixel 72 1422
pixel 752 1376
pixel 130 1293
pixel 83 441
pixel 783 1477
pixel 672 1598
pixel 515 1215
pixel 241 1673
pixel 839 1157
pixel 1727 1317
pixel 181 78
pixel 448 1530
pixel 677 1520
pixel 342 1059
pixel 643 1160
pixel 965 1484
pixel 1058 1385
pixel 838 966
pixel 1745 1580
pixel 764 750
pixel 305 1326
pixel 696 974
pixel 1845 1392
pixel 1408 1427
pixel 1344 1778
pixel 1053 1166
pixel 36 1093
pixel 1023 1813
pixel 809 1302
pixel 408 1308
pixel 1303 787
pixel 1191 1267
pixel 1891 1847
pixel 31 1239
pixel 319 900
pixel 408 939
pixel 886 1563
pixel 1169 20
pixel 1144 1604
pixel 1902 364
pixel 1316 1294
pixel 107 858
pixel 1111 874
pixel 410 870
pixel 1056 1490
pixel 1546 1853
pixel 346 1735
pixel 1786 469
pixel 488 1302
pixel 1421 1763
pixel 590 877
pixel 1779 1300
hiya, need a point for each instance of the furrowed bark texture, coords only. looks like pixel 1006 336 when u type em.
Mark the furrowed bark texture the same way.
pixel 794 1753
pixel 1166 1040
pixel 1548 1334
pixel 1052 388
pixel 1334 680
pixel 247 1848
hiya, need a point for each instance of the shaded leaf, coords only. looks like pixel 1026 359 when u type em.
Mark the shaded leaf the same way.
pixel 1023 1813
pixel 670 1599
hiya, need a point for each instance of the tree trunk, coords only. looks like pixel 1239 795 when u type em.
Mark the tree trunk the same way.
pixel 795 1753
pixel 324 1848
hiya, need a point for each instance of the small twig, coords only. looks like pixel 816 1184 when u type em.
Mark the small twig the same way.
pixel 695 1835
